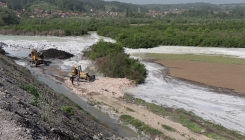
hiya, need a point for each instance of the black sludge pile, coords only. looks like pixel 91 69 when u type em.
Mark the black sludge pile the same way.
pixel 56 54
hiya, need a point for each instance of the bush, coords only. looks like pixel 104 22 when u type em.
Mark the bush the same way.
pixel 113 62
pixel 67 109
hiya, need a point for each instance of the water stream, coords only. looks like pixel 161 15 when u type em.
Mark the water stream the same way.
pixel 223 109
pixel 82 102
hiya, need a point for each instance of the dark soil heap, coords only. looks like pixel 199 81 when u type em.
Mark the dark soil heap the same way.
pixel 2 51
pixel 1 46
pixel 29 109
pixel 56 54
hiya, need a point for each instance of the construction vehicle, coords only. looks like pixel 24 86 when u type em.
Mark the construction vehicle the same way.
pixel 77 71
pixel 36 57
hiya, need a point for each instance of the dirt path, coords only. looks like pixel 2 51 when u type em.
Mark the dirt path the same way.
pixel 104 93
pixel 214 74
pixel 153 120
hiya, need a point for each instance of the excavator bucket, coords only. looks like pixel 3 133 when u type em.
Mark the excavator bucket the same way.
pixel 91 78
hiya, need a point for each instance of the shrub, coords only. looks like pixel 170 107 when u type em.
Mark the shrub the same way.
pixel 113 62
pixel 67 109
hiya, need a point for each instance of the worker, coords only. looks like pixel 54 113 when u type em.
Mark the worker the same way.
pixel 72 79
pixel 76 71
pixel 77 78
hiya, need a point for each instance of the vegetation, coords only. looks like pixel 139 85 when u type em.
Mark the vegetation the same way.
pixel 8 17
pixel 168 128
pixel 191 57
pixel 32 90
pixel 189 120
pixel 113 62
pixel 67 109
pixel 229 34
pixel 129 109
pixel 142 127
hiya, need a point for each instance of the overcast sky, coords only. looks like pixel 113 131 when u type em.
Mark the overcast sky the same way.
pixel 178 1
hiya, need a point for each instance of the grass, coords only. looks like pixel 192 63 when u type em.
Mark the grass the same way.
pixel 185 121
pixel 153 107
pixel 191 57
pixel 215 136
pixel 67 109
pixel 34 91
pixel 188 119
pixel 129 109
pixel 168 128
pixel 142 127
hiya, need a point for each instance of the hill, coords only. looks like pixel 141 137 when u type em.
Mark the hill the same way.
pixel 69 5
pixel 31 110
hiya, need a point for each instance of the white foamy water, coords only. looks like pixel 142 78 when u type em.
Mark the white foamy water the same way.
pixel 20 46
pixel 236 52
pixel 226 110
pixel 223 109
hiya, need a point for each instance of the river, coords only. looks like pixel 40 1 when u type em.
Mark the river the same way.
pixel 223 109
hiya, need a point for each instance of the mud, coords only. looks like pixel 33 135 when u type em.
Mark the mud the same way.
pixel 56 54
pixel 217 77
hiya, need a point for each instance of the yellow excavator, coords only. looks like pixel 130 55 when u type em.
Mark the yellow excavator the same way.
pixel 36 57
pixel 77 70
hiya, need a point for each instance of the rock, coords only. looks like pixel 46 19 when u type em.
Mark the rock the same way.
pixel 2 51
pixel 96 138
pixel 203 131
pixel 28 131
pixel 2 45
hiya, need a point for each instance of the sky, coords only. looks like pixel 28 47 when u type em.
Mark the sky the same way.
pixel 178 1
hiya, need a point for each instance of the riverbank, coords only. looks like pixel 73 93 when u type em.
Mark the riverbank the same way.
pixel 105 100
pixel 29 109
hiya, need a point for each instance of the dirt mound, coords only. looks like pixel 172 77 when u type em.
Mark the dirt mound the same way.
pixel 56 54
pixel 2 51
pixel 106 86
pixel 2 45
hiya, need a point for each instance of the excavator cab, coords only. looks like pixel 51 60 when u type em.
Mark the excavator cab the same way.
pixel 77 70
pixel 36 57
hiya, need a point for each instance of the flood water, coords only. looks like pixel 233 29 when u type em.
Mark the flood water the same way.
pixel 223 109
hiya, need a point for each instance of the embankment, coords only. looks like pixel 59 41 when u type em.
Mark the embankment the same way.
pixel 31 110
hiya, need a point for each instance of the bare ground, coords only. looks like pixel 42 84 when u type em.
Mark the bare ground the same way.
pixel 228 76
pixel 108 91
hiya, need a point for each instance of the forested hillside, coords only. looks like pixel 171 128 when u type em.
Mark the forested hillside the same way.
pixel 187 6
pixel 73 5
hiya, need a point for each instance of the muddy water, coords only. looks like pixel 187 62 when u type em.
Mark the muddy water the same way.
pixel 102 117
